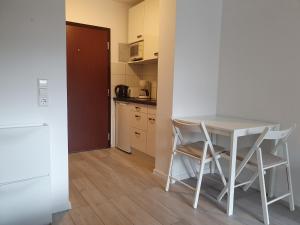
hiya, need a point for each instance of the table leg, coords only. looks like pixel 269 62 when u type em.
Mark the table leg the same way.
pixel 273 170
pixel 232 167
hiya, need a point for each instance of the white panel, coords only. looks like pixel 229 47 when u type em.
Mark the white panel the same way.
pixel 123 126
pixel 26 203
pixel 24 153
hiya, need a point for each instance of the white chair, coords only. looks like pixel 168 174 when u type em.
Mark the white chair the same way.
pixel 262 162
pixel 201 150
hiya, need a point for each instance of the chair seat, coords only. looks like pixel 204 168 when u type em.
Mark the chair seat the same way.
pixel 196 149
pixel 269 160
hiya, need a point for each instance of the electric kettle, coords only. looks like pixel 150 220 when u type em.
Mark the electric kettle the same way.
pixel 121 91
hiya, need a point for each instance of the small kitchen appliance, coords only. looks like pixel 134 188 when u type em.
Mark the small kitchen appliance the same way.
pixel 121 91
pixel 145 87
pixel 136 51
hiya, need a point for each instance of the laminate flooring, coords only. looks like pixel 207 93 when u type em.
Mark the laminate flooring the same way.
pixel 112 187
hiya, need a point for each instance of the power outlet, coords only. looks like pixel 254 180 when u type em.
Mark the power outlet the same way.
pixel 43 101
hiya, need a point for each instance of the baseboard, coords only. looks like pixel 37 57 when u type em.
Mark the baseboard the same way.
pixel 159 173
pixel 70 206
pixel 181 176
pixel 67 207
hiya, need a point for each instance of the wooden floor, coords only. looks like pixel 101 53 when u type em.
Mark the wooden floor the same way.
pixel 112 187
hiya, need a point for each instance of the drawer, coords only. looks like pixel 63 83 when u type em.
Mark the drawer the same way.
pixel 152 110
pixel 139 108
pixel 138 139
pixel 150 150
pixel 138 120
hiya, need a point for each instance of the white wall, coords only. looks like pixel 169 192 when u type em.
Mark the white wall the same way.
pixel 165 84
pixel 260 64
pixel 198 29
pixel 32 43
pixel 103 13
pixel 188 77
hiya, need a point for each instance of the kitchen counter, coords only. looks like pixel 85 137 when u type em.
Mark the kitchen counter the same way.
pixel 136 100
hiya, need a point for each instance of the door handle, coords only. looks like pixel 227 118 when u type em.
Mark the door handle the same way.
pixel 139 36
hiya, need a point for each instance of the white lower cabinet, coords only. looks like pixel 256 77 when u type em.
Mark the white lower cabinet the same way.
pixel 25 190
pixel 140 131
pixel 150 149
pixel 26 203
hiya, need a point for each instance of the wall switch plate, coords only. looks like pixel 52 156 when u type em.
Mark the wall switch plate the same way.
pixel 43 92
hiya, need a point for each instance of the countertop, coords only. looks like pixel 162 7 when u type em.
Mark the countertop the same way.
pixel 137 100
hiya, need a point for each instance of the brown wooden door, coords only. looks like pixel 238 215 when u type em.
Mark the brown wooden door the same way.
pixel 88 68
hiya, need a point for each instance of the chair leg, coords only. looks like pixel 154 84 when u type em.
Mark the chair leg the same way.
pixel 289 180
pixel 198 187
pixel 251 181
pixel 262 186
pixel 220 171
pixel 212 167
pixel 169 179
pixel 272 182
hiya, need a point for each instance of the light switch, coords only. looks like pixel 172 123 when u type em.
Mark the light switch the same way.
pixel 43 83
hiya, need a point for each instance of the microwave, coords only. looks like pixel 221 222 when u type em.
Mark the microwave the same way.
pixel 136 51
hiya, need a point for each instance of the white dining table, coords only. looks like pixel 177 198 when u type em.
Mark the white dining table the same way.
pixel 233 128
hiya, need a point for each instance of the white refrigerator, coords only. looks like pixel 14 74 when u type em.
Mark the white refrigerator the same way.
pixel 123 126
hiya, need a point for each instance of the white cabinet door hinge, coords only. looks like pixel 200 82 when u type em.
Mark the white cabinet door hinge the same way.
pixel 108 92
pixel 108 46
pixel 108 136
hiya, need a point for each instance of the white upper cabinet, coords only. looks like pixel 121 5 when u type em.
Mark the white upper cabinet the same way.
pixel 143 24
pixel 136 20
pixel 151 29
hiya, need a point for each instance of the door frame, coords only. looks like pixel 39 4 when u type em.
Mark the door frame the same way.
pixel 109 69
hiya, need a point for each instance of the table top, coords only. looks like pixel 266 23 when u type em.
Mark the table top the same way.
pixel 230 124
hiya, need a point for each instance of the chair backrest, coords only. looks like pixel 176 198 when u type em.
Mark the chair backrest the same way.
pixel 280 135
pixel 187 132
pixel 191 132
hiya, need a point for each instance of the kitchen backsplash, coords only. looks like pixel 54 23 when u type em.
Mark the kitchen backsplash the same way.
pixel 122 73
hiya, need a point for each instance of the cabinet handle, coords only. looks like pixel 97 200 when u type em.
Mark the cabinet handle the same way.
pixel 139 36
pixel 137 116
pixel 137 133
pixel 151 119
pixel 155 54
pixel 138 108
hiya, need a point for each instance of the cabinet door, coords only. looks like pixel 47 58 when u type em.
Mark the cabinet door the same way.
pixel 26 203
pixel 25 153
pixel 151 30
pixel 136 23
pixel 123 126
pixel 151 135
